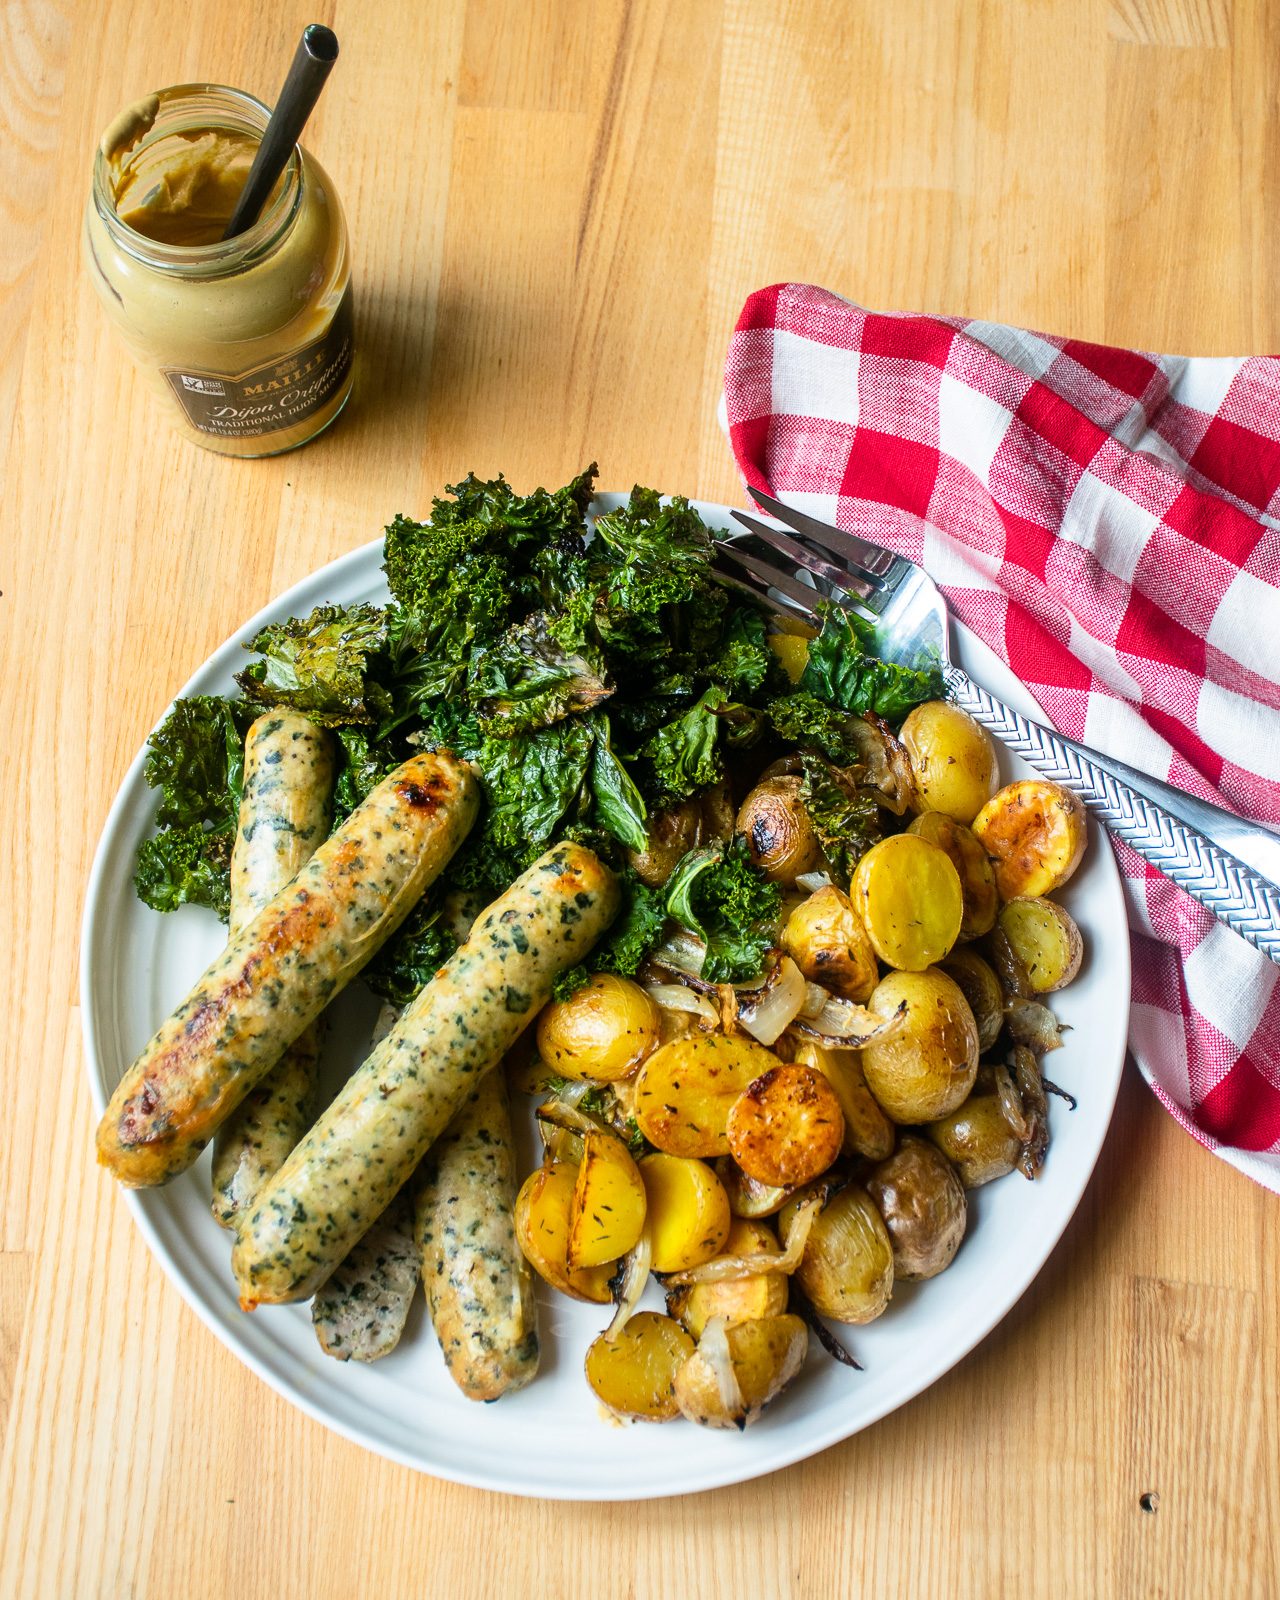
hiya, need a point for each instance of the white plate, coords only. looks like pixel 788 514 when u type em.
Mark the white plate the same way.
pixel 549 1439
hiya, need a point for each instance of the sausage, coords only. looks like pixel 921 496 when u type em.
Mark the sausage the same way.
pixel 354 1161
pixel 284 816
pixel 277 974
pixel 360 1312
pixel 477 1280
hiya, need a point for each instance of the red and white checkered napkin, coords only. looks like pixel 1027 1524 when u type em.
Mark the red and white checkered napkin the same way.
pixel 1109 523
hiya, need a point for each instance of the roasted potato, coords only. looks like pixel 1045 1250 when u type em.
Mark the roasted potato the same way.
pixel 977 1137
pixel 687 1211
pixel 542 1230
pixel 686 1089
pixel 762 1357
pixel 922 1202
pixel 1035 833
pixel 908 895
pixel 972 863
pixel 737 1299
pixel 825 938
pixel 927 1067
pixel 953 761
pixel 671 834
pixel 606 1214
pixel 1045 939
pixel 981 988
pixel 779 834
pixel 867 1131
pixel 634 1373
pixel 792 650
pixel 747 1198
pixel 786 1127
pixel 603 1030
pixel 847 1267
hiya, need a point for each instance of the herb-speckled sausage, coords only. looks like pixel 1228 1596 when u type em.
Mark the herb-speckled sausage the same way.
pixel 477 1280
pixel 278 974
pixel 352 1164
pixel 284 816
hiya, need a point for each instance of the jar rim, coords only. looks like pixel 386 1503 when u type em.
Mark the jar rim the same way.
pixel 223 255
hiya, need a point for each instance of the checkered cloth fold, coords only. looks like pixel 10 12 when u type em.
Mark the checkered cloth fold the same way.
pixel 1108 521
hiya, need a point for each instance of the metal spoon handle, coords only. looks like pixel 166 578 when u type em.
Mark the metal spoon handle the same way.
pixel 1233 891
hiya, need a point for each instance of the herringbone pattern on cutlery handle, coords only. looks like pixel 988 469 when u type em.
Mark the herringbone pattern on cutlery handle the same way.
pixel 1224 885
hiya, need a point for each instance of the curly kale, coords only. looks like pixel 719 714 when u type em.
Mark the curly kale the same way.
pixel 412 956
pixel 843 670
pixel 802 719
pixel 716 893
pixel 320 665
pixel 186 866
pixel 843 812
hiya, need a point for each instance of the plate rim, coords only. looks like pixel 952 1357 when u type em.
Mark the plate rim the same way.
pixel 699 1480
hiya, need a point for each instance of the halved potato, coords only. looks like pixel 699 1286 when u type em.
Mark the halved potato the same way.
pixel 686 1089
pixel 792 650
pixel 1045 939
pixel 927 1067
pixel 747 1197
pixel 847 1266
pixel 867 1131
pixel 825 938
pixel 606 1214
pixel 786 1127
pixel 634 1373
pixel 738 1299
pixel 732 1388
pixel 1035 833
pixel 603 1030
pixel 972 863
pixel 909 897
pixel 977 982
pixel 952 759
pixel 687 1210
pixel 542 1231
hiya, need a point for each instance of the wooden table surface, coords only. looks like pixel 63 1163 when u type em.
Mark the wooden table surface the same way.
pixel 557 208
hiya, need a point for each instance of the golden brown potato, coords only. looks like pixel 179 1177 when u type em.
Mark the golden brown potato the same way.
pixel 792 650
pixel 687 1211
pixel 603 1030
pixel 786 1127
pixel 718 815
pixel 634 1373
pixel 779 835
pixel 927 1067
pixel 972 863
pixel 1045 939
pixel 977 1138
pixel 738 1299
pixel 747 1198
pixel 686 1089
pixel 825 938
pixel 847 1266
pixel 542 1231
pixel 981 988
pixel 909 897
pixel 671 834
pixel 953 760
pixel 867 1131
pixel 606 1214
pixel 762 1357
pixel 922 1202
pixel 1035 833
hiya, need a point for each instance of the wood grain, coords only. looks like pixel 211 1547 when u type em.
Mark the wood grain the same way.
pixel 558 207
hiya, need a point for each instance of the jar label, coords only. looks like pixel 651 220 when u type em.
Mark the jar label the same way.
pixel 277 394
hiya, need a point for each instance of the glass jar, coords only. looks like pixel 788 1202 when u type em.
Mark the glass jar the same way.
pixel 247 340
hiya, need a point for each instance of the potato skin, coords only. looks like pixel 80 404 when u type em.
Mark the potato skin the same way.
pixel 867 1131
pixel 952 759
pixel 825 938
pixel 922 1202
pixel 981 988
pixel 1035 833
pixel 778 832
pixel 1046 940
pixel 542 1232
pixel 977 1139
pixel 604 1030
pixel 926 1069
pixel 847 1267
pixel 671 833
pixel 765 1353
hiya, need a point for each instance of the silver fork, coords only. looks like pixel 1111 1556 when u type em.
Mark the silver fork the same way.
pixel 1231 866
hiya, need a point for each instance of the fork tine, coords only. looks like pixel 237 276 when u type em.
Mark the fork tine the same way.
pixel 838 577
pixel 871 560
pixel 780 608
pixel 800 594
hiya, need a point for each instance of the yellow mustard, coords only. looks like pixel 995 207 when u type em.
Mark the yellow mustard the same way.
pixel 248 340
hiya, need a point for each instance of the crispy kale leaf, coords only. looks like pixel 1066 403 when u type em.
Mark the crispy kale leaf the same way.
pixel 684 756
pixel 717 893
pixel 843 812
pixel 319 665
pixel 842 671
pixel 186 866
pixel 743 661
pixel 802 719
pixel 412 956
pixel 526 679
pixel 362 763
pixel 619 805
pixel 537 518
